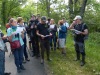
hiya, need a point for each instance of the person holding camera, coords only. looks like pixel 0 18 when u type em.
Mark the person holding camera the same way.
pixel 16 43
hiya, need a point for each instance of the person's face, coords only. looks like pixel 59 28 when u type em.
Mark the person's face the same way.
pixel 51 21
pixel 64 20
pixel 43 22
pixel 78 21
pixel 14 23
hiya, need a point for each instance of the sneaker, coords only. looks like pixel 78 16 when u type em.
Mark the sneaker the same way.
pixel 42 61
pixel 27 59
pixel 7 73
pixel 18 70
pixel 22 67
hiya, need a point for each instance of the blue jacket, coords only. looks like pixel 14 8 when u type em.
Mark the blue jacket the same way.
pixel 62 31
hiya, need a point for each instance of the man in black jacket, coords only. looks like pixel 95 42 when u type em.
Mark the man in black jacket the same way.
pixel 80 31
pixel 43 33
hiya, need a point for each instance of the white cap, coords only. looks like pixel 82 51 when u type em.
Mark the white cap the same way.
pixel 77 17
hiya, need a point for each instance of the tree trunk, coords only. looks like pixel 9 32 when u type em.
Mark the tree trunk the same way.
pixel 82 8
pixel 3 12
pixel 48 7
pixel 71 10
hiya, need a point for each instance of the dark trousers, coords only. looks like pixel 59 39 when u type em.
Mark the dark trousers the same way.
pixel 18 56
pixel 53 41
pixel 80 49
pixel 2 62
pixel 35 46
pixel 45 45
pixel 25 51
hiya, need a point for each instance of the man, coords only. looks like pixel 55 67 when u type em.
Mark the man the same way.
pixel 81 30
pixel 67 26
pixel 43 33
pixel 33 36
pixel 2 54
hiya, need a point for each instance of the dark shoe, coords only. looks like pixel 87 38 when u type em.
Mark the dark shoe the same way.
pixel 82 63
pixel 42 61
pixel 76 59
pixel 22 67
pixel 18 70
pixel 27 59
pixel 49 59
pixel 7 73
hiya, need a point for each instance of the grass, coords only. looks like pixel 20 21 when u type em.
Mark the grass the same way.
pixel 64 65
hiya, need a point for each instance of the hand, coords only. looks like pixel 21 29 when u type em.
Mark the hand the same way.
pixel 42 36
pixel 4 37
pixel 50 34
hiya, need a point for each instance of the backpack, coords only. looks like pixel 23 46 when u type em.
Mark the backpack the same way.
pixel 86 36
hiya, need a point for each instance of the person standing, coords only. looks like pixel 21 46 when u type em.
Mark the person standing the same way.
pixel 44 34
pixel 81 30
pixel 67 26
pixel 61 36
pixel 53 30
pixel 21 25
pixel 2 54
pixel 17 44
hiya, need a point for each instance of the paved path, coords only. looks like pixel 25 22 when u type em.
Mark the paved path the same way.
pixel 32 68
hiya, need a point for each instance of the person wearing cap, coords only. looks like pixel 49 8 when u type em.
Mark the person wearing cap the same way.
pixel 44 34
pixel 82 29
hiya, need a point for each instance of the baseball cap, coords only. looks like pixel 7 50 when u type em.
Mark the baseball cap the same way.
pixel 43 18
pixel 77 17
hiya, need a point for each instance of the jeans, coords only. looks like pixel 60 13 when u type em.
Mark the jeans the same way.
pixel 53 41
pixel 25 51
pixel 18 56
pixel 2 62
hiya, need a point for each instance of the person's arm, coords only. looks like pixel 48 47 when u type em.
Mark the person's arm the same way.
pixel 72 25
pixel 63 29
pixel 85 30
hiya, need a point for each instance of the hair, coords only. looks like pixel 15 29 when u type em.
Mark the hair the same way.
pixel 53 21
pixel 11 20
pixel 19 19
pixel 60 22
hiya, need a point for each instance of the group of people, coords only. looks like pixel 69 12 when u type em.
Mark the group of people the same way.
pixel 44 35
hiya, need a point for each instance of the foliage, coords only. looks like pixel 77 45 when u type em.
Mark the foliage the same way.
pixel 64 65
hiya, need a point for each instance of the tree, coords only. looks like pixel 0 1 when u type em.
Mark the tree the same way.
pixel 76 7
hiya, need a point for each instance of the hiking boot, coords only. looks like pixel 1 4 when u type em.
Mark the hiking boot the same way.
pixel 83 60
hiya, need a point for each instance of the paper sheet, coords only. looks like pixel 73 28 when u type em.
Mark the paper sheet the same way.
pixel 19 30
pixel 52 26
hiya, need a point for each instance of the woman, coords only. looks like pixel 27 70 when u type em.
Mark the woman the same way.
pixel 13 36
pixel 53 30
pixel 21 25
pixel 61 36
